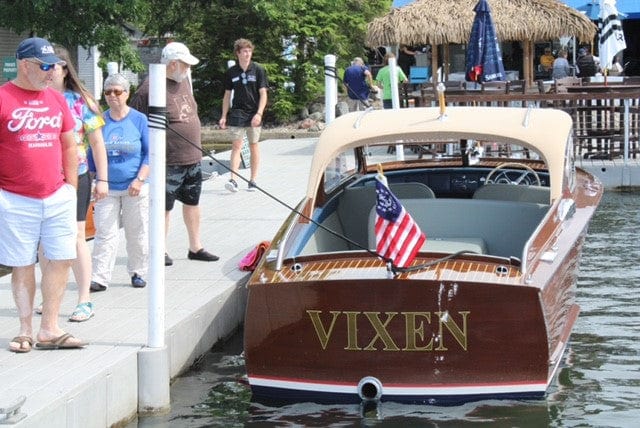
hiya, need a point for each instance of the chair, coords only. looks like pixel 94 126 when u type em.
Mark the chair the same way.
pixel 451 86
pixel 418 75
pixel 559 85
pixel 498 86
pixel 516 87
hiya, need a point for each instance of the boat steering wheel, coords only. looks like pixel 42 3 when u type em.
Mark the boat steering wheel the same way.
pixel 502 177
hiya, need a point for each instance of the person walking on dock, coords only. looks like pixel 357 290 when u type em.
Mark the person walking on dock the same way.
pixel 248 81
pixel 38 181
pixel 184 147
pixel 357 81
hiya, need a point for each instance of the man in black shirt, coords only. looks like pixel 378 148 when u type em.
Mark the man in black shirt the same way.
pixel 586 64
pixel 248 81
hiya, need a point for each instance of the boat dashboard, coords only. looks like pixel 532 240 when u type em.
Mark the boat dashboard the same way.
pixel 460 182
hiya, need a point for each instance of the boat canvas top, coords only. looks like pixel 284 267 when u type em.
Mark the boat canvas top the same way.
pixel 545 131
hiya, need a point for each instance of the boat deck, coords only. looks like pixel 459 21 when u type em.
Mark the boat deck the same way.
pixel 369 268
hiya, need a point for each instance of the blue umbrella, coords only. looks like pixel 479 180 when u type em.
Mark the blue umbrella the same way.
pixel 484 59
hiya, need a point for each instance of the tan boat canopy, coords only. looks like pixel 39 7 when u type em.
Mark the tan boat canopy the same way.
pixel 545 131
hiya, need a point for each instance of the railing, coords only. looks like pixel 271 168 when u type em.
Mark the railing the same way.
pixel 606 119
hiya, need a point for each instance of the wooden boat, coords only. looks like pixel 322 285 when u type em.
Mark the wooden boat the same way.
pixel 487 307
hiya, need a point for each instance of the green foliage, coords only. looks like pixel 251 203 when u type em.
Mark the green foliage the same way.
pixel 85 23
pixel 306 30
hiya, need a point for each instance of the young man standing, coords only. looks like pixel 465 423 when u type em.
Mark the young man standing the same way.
pixel 184 147
pixel 38 181
pixel 248 81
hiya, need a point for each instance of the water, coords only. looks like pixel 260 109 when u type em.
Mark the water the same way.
pixel 598 386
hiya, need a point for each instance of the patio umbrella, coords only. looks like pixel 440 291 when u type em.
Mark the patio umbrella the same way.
pixel 484 59
pixel 610 35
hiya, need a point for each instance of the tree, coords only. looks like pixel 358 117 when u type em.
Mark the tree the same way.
pixel 291 37
pixel 101 23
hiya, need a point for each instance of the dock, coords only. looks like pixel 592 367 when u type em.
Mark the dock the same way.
pixel 97 386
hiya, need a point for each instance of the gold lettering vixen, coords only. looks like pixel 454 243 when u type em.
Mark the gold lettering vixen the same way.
pixel 419 332
pixel 323 335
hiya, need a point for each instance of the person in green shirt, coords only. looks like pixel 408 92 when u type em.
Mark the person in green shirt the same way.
pixel 383 79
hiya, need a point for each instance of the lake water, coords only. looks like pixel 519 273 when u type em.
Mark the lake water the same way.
pixel 599 384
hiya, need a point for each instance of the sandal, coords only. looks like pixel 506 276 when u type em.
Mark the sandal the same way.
pixel 21 340
pixel 38 309
pixel 83 312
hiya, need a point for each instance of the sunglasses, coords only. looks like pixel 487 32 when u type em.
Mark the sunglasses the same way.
pixel 43 66
pixel 116 92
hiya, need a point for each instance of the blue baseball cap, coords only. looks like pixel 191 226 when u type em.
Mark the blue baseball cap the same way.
pixel 38 48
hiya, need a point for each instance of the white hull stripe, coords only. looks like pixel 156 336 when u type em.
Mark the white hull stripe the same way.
pixel 401 390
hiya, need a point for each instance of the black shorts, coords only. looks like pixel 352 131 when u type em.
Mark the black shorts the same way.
pixel 184 183
pixel 84 196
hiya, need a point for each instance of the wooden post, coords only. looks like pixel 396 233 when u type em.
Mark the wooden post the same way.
pixel 527 62
pixel 445 62
pixel 434 63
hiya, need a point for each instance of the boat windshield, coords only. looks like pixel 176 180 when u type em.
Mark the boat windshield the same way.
pixel 341 168
pixel 444 150
pixel 345 166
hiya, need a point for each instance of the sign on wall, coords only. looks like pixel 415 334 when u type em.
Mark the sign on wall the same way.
pixel 9 67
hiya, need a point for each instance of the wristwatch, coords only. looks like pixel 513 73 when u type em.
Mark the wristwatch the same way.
pixel 140 179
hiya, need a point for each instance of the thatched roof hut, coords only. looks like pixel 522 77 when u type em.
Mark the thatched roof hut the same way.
pixel 438 22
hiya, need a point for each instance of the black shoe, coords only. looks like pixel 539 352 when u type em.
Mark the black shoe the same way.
pixel 137 281
pixel 168 261
pixel 203 255
pixel 97 286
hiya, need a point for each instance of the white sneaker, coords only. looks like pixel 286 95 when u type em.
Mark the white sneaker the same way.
pixel 231 186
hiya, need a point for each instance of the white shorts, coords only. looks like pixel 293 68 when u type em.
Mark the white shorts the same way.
pixel 27 222
pixel 238 132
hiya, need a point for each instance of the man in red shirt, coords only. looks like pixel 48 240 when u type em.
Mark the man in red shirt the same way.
pixel 38 180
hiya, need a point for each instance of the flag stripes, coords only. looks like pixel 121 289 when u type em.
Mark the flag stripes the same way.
pixel 398 236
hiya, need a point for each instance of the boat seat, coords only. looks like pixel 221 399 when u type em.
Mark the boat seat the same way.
pixel 511 192
pixel 453 245
pixel 356 202
pixel 499 228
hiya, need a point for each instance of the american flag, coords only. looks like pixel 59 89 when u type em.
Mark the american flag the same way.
pixel 398 236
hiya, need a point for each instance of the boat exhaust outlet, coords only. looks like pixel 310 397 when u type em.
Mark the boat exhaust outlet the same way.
pixel 370 389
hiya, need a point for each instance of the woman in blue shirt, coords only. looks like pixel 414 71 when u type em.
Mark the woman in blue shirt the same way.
pixel 126 138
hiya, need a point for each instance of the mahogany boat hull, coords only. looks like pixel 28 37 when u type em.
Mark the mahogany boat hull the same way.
pixel 328 321
pixel 436 341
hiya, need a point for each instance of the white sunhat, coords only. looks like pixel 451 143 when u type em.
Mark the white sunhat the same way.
pixel 178 51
